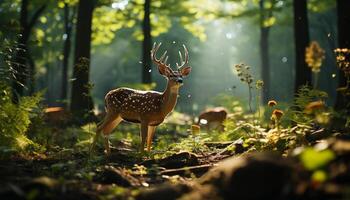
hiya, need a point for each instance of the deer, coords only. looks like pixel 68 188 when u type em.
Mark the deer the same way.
pixel 213 118
pixel 147 108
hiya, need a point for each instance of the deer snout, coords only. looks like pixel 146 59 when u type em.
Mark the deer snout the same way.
pixel 179 80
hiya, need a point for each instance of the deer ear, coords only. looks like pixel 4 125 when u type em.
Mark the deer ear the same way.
pixel 163 70
pixel 185 71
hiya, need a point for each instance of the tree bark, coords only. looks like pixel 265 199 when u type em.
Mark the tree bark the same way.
pixel 146 44
pixel 22 55
pixel 264 53
pixel 19 63
pixel 68 23
pixel 343 8
pixel 81 101
pixel 301 35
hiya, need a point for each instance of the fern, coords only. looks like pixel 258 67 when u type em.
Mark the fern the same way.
pixel 304 96
pixel 14 122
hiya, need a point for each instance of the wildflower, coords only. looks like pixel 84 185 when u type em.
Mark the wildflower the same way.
pixel 343 60
pixel 243 72
pixel 277 114
pixel 271 103
pixel 314 106
pixel 259 84
pixel 314 55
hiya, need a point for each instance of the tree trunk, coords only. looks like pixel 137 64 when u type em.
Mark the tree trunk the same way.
pixel 301 35
pixel 22 55
pixel 147 44
pixel 20 58
pixel 32 72
pixel 81 101
pixel 343 8
pixel 68 23
pixel 264 53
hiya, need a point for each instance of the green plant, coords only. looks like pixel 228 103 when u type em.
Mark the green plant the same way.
pixel 243 72
pixel 303 98
pixel 15 120
pixel 259 85
pixel 8 50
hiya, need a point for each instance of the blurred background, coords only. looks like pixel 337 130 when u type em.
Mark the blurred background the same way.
pixel 217 33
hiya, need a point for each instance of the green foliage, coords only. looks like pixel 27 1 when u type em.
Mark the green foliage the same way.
pixel 229 102
pixel 78 138
pixel 38 130
pixel 304 96
pixel 313 159
pixel 14 122
pixel 320 6
pixel 192 143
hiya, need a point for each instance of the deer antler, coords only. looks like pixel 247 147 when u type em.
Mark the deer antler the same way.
pixel 160 60
pixel 183 62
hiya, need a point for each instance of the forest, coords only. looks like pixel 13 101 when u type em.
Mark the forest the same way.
pixel 170 99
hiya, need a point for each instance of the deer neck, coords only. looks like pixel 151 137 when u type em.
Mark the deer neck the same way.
pixel 169 98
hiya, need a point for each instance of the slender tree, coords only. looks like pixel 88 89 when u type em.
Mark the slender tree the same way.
pixel 301 35
pixel 264 50
pixel 146 44
pixel 68 25
pixel 22 57
pixel 81 101
pixel 343 8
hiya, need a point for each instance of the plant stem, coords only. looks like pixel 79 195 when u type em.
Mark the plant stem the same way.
pixel 250 98
pixel 258 106
pixel 315 80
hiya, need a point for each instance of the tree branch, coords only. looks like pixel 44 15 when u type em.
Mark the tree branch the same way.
pixel 35 17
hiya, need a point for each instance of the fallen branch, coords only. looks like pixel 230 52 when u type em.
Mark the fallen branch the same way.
pixel 197 170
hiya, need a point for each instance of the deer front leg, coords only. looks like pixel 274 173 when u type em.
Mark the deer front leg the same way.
pixel 151 131
pixel 143 135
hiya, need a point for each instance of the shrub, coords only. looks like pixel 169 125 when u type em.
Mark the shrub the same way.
pixel 14 122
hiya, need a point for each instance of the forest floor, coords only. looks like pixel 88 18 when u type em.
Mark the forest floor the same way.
pixel 127 174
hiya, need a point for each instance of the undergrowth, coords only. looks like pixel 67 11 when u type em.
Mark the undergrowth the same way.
pixel 14 122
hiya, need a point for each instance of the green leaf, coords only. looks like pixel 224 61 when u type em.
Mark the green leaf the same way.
pixel 313 159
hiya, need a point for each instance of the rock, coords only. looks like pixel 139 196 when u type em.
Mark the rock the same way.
pixel 254 176
pixel 164 192
pixel 38 188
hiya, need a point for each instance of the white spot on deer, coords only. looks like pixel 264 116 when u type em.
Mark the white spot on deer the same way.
pixel 203 121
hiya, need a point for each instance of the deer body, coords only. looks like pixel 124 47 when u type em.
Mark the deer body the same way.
pixel 213 118
pixel 148 108
pixel 136 106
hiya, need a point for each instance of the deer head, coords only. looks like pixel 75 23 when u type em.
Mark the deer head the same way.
pixel 175 77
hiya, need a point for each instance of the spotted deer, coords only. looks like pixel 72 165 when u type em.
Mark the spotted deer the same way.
pixel 148 108
pixel 213 118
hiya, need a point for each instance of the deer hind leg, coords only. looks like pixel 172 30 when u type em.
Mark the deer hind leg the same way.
pixel 150 134
pixel 98 132
pixel 107 131
pixel 143 135
pixel 106 126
